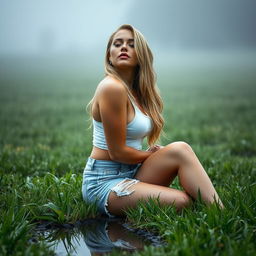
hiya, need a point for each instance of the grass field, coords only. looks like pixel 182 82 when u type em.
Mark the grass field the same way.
pixel 45 141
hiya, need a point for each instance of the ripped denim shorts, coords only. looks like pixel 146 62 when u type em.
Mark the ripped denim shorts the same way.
pixel 100 177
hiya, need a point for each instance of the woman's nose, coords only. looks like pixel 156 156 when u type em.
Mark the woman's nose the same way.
pixel 124 47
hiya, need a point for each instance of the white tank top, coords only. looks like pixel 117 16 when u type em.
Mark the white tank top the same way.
pixel 136 130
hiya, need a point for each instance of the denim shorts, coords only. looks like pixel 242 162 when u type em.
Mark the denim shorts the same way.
pixel 100 177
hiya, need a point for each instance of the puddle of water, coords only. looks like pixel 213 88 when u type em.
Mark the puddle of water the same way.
pixel 96 236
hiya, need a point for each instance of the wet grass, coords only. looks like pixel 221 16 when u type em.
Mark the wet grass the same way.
pixel 45 142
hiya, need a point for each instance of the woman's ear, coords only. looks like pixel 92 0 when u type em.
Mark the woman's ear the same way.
pixel 109 61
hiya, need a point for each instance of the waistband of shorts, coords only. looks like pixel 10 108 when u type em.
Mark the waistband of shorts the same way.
pixel 107 163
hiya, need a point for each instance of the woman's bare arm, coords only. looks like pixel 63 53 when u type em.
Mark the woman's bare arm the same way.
pixel 112 101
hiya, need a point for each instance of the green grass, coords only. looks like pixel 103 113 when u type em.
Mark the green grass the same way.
pixel 45 141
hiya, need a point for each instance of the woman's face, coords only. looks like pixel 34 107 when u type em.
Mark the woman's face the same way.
pixel 122 53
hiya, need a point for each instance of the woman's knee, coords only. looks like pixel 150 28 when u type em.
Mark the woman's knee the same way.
pixel 182 201
pixel 179 149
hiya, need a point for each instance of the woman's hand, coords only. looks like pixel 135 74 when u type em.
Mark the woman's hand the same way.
pixel 154 148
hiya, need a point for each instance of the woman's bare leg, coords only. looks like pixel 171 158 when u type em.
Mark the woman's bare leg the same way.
pixel 117 204
pixel 178 158
pixel 159 170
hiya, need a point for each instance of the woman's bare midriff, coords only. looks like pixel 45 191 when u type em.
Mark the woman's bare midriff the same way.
pixel 100 154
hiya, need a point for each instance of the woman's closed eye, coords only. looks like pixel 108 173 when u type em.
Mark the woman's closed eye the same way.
pixel 118 45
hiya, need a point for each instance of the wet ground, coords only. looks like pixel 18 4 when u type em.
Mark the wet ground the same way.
pixel 95 237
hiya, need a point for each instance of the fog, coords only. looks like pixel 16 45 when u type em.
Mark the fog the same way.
pixel 80 29
pixel 35 27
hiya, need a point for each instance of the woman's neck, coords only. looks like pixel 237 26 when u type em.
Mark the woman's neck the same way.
pixel 127 76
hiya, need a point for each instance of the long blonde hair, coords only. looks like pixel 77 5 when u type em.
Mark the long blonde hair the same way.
pixel 144 82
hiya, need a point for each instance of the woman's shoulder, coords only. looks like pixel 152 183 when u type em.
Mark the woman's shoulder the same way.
pixel 111 85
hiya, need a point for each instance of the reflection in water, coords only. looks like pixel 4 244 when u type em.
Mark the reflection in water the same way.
pixel 98 236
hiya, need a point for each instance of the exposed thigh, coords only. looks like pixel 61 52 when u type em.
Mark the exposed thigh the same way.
pixel 166 195
pixel 160 168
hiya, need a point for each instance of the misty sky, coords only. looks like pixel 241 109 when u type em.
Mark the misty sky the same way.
pixel 61 26
pixel 29 26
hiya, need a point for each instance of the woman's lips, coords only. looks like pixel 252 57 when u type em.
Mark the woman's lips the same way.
pixel 123 56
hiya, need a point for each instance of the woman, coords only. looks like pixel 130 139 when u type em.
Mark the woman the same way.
pixel 126 108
